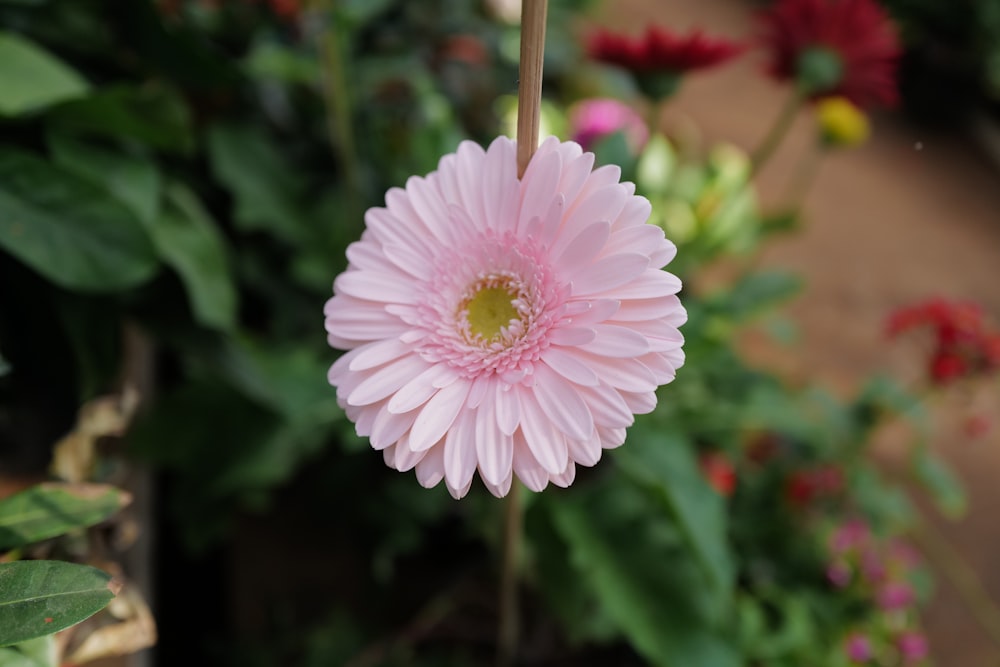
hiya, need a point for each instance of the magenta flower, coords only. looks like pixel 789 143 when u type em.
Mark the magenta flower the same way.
pixel 510 326
pixel 858 648
pixel 912 646
pixel 895 595
pixel 592 120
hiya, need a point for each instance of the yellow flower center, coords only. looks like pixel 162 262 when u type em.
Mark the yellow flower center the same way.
pixel 489 311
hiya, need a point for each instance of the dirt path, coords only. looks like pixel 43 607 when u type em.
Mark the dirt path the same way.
pixel 908 216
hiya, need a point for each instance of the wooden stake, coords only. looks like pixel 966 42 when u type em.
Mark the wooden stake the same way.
pixel 529 88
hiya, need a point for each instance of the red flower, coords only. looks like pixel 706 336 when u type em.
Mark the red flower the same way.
pixel 659 50
pixel 806 486
pixel 962 344
pixel 659 57
pixel 718 472
pixel 846 48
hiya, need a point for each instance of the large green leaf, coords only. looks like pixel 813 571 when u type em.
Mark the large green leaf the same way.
pixel 152 115
pixel 40 597
pixel 40 652
pixel 51 509
pixel 636 564
pixel 132 180
pixel 69 230
pixel 189 241
pixel 32 79
pixel 665 463
pixel 259 178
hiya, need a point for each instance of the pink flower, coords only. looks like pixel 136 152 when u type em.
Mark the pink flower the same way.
pixel 895 595
pixel 595 119
pixel 913 647
pixel 510 326
pixel 858 647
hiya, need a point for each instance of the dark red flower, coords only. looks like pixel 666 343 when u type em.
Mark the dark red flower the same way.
pixel 659 50
pixel 846 48
pixel 718 472
pixel 658 58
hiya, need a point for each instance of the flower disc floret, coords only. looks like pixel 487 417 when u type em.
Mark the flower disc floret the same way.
pixel 510 326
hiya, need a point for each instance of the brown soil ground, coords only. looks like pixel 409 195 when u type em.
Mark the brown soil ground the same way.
pixel 908 216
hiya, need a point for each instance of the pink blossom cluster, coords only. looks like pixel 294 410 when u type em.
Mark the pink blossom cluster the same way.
pixel 878 570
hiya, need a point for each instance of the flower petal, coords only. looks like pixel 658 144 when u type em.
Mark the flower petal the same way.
pixel 437 415
pixel 562 403
pixel 460 451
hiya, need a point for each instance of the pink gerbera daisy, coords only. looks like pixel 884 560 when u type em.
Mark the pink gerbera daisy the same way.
pixel 501 324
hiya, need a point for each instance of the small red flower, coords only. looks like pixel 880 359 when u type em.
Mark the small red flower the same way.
pixel 846 48
pixel 718 472
pixel 806 486
pixel 962 344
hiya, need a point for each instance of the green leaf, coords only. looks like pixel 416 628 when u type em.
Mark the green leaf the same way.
pixel 40 597
pixel 152 115
pixel 665 463
pixel 756 292
pixel 52 509
pixel 940 481
pixel 259 178
pixel 189 241
pixel 40 652
pixel 132 180
pixel 67 229
pixel 32 79
pixel 645 580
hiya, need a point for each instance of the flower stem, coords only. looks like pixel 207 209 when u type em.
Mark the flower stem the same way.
pixel 804 176
pixel 782 124
pixel 508 628
pixel 529 88
pixel 336 95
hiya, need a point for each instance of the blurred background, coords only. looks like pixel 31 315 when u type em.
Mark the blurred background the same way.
pixel 179 180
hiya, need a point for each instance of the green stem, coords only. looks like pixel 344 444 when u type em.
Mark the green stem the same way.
pixel 336 96
pixel 777 133
pixel 508 628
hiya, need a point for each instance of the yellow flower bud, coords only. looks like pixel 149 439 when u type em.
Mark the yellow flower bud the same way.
pixel 841 123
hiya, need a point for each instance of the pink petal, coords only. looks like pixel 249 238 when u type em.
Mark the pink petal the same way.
pixel 635 310
pixel 573 250
pixel 569 366
pixel 430 470
pixel 406 458
pixel 562 403
pixel 494 449
pixel 586 452
pixel 651 284
pixel 607 407
pixel 611 437
pixel 608 273
pixel 546 443
pixel 381 383
pixel 640 403
pixel 598 310
pixel 421 387
pixel 508 410
pixel 538 187
pixel 565 478
pixel 460 452
pixel 502 489
pixel 622 374
pixel 526 467
pixel 389 427
pixel 378 353
pixel 615 341
pixel 375 286
pixel 571 336
pixel 437 415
